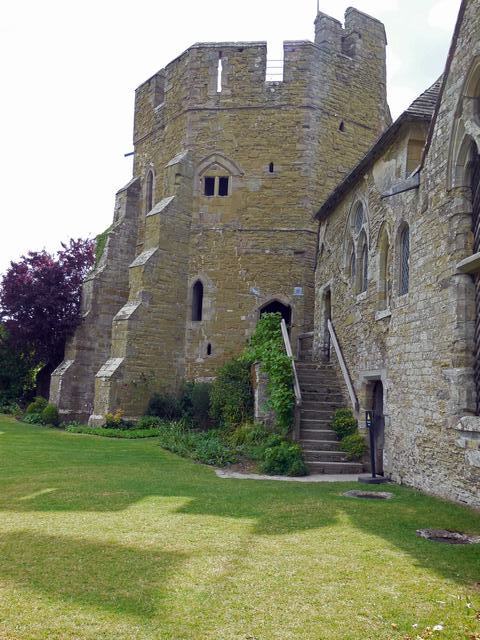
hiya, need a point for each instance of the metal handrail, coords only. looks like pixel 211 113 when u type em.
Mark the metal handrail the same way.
pixel 343 367
pixel 288 349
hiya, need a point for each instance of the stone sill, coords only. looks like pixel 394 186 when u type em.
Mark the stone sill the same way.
pixel 361 296
pixel 470 264
pixel 470 424
pixel 380 315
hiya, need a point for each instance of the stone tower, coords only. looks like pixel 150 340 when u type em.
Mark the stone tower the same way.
pixel 217 223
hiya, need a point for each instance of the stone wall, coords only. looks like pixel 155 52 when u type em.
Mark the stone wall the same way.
pixel 283 145
pixel 420 344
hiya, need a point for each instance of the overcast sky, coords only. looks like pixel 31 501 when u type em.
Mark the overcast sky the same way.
pixel 68 73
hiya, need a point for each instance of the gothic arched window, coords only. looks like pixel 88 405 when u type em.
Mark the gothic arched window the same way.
pixel 404 265
pixel 363 265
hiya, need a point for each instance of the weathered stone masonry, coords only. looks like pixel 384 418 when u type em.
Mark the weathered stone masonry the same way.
pixel 418 343
pixel 283 147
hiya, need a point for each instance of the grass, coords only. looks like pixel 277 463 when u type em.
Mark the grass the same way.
pixel 118 539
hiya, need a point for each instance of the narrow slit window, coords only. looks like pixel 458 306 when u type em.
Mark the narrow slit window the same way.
pixel 271 167
pixel 209 186
pixel 342 126
pixel 149 192
pixel 219 73
pixel 197 301
pixel 223 186
pixel 209 349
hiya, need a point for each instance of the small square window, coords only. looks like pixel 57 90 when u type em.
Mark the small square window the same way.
pixel 223 186
pixel 209 186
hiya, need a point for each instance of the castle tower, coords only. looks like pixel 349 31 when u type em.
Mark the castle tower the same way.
pixel 217 223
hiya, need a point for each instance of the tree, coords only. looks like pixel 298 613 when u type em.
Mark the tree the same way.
pixel 40 300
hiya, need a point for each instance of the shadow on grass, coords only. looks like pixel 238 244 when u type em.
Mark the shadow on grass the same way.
pixel 91 474
pixel 107 576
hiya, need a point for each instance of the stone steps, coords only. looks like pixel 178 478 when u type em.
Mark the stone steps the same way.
pixel 317 434
pixel 324 456
pixel 320 445
pixel 335 467
pixel 321 397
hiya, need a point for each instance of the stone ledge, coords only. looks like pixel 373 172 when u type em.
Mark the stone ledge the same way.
pixel 470 264
pixel 62 368
pixel 470 424
pixel 127 311
pixel 160 206
pixel 143 258
pixel 108 369
pixel 380 315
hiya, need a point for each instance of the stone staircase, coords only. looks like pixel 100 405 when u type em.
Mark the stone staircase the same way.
pixel 321 396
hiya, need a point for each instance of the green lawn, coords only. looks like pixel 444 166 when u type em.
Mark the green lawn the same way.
pixel 117 539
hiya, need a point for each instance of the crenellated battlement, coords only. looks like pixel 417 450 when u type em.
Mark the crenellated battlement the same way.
pixel 349 40
pixel 229 75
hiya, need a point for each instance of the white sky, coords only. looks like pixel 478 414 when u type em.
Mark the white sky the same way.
pixel 68 73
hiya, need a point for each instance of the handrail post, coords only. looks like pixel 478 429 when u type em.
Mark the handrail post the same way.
pixel 343 367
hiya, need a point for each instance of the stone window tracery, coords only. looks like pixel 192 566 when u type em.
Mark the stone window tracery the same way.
pixel 384 271
pixel 363 264
pixel 356 256
pixel 404 264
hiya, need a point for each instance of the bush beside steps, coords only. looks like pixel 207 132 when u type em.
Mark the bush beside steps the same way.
pixel 352 443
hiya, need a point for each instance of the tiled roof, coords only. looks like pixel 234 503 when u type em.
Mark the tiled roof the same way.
pixel 424 105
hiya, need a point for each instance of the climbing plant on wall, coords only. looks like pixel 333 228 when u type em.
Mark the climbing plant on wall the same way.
pixel 266 347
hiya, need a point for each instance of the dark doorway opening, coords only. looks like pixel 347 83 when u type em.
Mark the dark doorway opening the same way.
pixel 378 424
pixel 278 307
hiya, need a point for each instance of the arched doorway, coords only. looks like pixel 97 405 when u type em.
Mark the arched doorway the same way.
pixel 275 306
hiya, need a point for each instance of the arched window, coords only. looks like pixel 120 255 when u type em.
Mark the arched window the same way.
pixel 149 192
pixel 404 265
pixel 363 265
pixel 384 271
pixel 197 301
pixel 353 266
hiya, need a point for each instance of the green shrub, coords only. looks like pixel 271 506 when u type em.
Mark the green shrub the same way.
pixel 33 418
pixel 50 415
pixel 164 405
pixel 195 403
pixel 11 408
pixel 231 398
pixel 354 446
pixel 283 459
pixel 207 447
pixel 148 422
pixel 249 433
pixel 129 434
pixel 116 421
pixel 37 406
pixel 266 347
pixel 344 423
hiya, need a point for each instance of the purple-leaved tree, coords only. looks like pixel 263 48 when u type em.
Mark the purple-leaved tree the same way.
pixel 40 299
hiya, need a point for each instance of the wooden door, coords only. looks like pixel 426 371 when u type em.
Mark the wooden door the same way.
pixel 379 425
